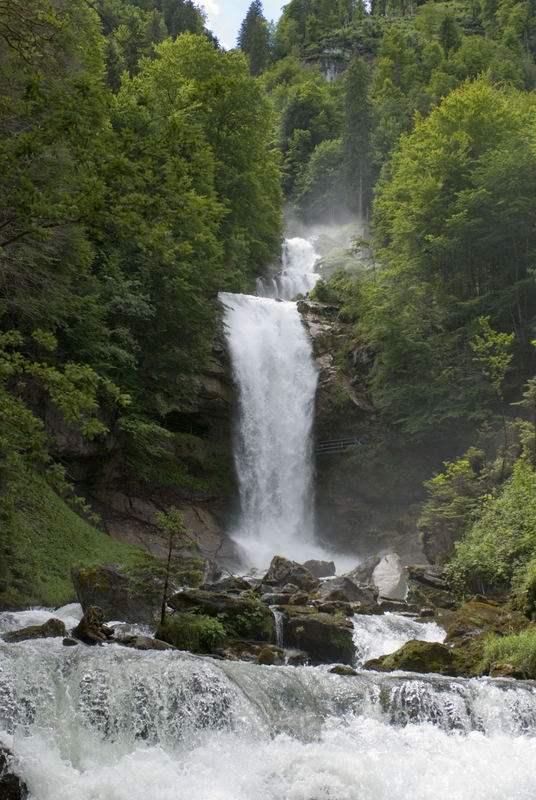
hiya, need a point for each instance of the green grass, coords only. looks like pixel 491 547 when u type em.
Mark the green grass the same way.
pixel 44 538
pixel 518 649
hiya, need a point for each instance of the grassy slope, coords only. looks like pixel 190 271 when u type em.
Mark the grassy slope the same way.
pixel 46 539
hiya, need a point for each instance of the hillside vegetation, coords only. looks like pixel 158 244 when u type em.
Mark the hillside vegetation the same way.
pixel 144 169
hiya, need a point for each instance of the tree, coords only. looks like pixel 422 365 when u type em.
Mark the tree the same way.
pixel 452 216
pixel 253 38
pixel 356 137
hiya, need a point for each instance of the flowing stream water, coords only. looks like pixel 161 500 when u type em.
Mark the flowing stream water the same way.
pixel 111 723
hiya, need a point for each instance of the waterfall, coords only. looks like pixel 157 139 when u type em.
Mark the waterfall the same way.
pixel 297 275
pixel 96 723
pixel 276 378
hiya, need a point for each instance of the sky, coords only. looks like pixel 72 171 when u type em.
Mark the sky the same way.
pixel 224 17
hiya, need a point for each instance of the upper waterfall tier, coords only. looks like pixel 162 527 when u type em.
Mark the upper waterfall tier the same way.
pixel 297 276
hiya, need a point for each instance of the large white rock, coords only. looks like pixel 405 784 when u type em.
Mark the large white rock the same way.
pixel 390 578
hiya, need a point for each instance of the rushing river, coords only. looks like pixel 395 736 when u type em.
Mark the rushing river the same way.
pixel 109 723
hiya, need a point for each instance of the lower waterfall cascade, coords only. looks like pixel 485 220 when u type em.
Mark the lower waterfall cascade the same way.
pixel 111 723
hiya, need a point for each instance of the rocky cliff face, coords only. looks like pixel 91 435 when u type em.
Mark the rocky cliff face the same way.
pixel 365 491
pixel 197 477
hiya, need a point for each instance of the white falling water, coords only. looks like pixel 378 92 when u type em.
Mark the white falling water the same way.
pixel 380 635
pixel 297 275
pixel 276 377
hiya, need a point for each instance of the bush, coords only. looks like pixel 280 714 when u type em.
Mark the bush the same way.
pixel 194 632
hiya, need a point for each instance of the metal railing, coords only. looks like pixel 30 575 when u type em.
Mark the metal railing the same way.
pixel 336 445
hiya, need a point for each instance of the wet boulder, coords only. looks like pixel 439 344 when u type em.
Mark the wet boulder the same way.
pixel 427 586
pixel 11 786
pixel 478 617
pixel 118 594
pixel 91 628
pixel 320 569
pixel 231 584
pixel 326 638
pixel 248 617
pixel 282 571
pixel 346 589
pixel 254 652
pixel 417 656
pixel 52 627
pixel 139 642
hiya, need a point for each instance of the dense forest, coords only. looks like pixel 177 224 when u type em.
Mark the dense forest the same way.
pixel 145 169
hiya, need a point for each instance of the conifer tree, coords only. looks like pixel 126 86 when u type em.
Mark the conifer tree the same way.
pixel 253 38
pixel 356 137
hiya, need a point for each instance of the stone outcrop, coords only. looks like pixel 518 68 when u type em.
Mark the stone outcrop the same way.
pixel 324 637
pixel 91 628
pixel 347 589
pixel 417 656
pixel 320 569
pixel 427 586
pixel 11 786
pixel 117 594
pixel 366 493
pixel 282 571
pixel 389 576
pixel 52 627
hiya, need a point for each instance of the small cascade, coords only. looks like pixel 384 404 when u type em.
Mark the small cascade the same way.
pixel 297 275
pixel 380 635
pixel 278 622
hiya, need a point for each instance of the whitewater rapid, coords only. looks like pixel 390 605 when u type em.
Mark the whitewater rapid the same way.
pixel 110 723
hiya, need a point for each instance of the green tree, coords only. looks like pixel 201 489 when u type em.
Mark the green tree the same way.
pixel 253 38
pixel 356 137
pixel 452 217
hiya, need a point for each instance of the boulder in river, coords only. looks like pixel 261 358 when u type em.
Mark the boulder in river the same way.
pixel 52 627
pixel 326 638
pixel 114 591
pixel 417 656
pixel 389 576
pixel 348 590
pixel 283 571
pixel 91 628
pixel 11 786
pixel 249 617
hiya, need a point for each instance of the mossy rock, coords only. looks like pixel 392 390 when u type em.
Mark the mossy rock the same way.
pixel 480 616
pixel 52 627
pixel 417 656
pixel 326 638
pixel 113 590
pixel 243 617
pixel 340 669
pixel 283 571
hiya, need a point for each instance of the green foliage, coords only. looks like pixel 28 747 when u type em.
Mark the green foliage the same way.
pixel 40 542
pixel 519 650
pixel 451 254
pixel 194 632
pixel 253 38
pixel 502 541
